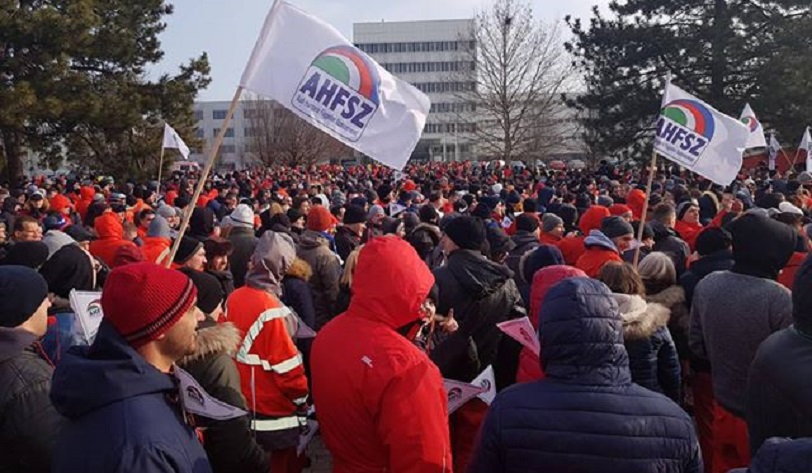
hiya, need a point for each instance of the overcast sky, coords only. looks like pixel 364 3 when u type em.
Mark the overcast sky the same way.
pixel 227 29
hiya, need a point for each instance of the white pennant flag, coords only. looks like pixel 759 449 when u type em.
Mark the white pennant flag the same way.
pixel 173 140
pixel 806 143
pixel 459 393
pixel 196 400
pixel 486 380
pixel 694 135
pixel 756 138
pixel 772 152
pixel 523 332
pixel 307 66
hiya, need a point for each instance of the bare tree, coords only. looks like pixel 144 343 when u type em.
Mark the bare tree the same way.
pixel 521 71
pixel 275 135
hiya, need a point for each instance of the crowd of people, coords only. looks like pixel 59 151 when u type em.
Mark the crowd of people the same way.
pixel 674 342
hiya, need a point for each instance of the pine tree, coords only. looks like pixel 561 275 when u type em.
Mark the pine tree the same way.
pixel 73 83
pixel 727 52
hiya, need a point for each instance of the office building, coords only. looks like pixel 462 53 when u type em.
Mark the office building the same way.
pixel 437 58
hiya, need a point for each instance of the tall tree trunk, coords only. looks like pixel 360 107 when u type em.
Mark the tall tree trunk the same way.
pixel 719 59
pixel 12 149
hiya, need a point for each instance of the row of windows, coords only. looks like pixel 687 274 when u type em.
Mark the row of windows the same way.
pixel 405 67
pixel 449 128
pixel 443 107
pixel 449 149
pixel 422 47
pixel 438 87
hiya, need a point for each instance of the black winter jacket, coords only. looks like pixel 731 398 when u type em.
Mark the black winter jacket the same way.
pixel 668 241
pixel 482 294
pixel 779 388
pixel 346 242
pixel 244 243
pixel 229 444
pixel 719 261
pixel 652 355
pixel 29 424
pixel 586 416
pixel 524 242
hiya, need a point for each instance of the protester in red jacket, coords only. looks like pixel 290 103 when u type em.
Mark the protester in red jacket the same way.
pixel 688 225
pixel 604 245
pixel 380 401
pixel 572 247
pixel 111 237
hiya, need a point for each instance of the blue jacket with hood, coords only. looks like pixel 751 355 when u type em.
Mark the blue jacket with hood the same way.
pixel 586 416
pixel 121 414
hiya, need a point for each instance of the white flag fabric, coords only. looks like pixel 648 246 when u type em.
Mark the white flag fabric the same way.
pixel 196 400
pixel 173 140
pixel 756 138
pixel 459 393
pixel 87 309
pixel 806 144
pixel 696 136
pixel 307 66
pixel 486 380
pixel 772 152
pixel 523 332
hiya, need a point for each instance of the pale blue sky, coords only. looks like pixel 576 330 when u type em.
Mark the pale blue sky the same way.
pixel 227 29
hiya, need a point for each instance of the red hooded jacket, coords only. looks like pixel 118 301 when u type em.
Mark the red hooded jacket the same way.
pixel 88 193
pixel 111 238
pixel 573 247
pixel 380 400
pixel 543 281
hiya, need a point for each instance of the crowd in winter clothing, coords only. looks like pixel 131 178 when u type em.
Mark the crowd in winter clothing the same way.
pixel 346 296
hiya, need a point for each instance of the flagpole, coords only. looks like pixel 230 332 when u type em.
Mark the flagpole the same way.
pixel 161 166
pixel 644 214
pixel 205 174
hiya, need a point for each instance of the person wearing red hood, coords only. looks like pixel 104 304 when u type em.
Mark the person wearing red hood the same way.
pixel 381 402
pixel 111 237
pixel 622 210
pixel 688 225
pixel 636 200
pixel 62 204
pixel 605 245
pixel 573 247
pixel 88 193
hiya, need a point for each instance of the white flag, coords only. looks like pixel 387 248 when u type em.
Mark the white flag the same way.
pixel 523 332
pixel 88 312
pixel 196 400
pixel 459 393
pixel 173 140
pixel 772 152
pixel 756 138
pixel 486 380
pixel 307 66
pixel 694 135
pixel 806 143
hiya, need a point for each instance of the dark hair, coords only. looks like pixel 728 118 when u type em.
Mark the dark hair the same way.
pixel 663 212
pixel 530 205
pixel 20 221
pixel 622 278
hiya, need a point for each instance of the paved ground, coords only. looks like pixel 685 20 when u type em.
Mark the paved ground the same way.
pixel 319 456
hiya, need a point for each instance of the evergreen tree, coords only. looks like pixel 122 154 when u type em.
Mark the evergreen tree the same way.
pixel 727 52
pixel 73 83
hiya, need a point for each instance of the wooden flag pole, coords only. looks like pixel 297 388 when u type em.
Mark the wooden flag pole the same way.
pixel 644 214
pixel 161 166
pixel 205 174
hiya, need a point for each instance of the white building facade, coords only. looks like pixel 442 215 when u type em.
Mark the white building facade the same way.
pixel 428 55
pixel 233 152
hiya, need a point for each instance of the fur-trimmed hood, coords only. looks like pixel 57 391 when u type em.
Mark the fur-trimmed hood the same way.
pixel 300 269
pixel 673 298
pixel 430 228
pixel 640 319
pixel 213 339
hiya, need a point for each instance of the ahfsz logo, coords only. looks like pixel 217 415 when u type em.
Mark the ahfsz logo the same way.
pixel 340 91
pixel 685 128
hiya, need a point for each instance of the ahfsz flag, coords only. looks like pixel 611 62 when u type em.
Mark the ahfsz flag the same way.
pixel 307 66
pixel 756 138
pixel 694 135
pixel 173 140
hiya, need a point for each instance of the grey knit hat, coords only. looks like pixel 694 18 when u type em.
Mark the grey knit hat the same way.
pixel 549 221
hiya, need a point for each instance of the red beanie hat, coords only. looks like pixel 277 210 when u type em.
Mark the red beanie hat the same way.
pixel 163 296
pixel 319 219
pixel 618 210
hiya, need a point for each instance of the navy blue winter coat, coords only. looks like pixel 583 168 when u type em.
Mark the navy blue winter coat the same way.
pixel 121 418
pixel 782 455
pixel 586 416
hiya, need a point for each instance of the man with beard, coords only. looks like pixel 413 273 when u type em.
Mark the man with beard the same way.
pixel 121 392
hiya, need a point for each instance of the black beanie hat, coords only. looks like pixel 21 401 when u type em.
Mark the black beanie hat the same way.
pixel 761 245
pixel 209 291
pixel 354 214
pixel 26 253
pixel 526 223
pixel 188 247
pixel 713 239
pixel 614 227
pixel 22 291
pixel 466 232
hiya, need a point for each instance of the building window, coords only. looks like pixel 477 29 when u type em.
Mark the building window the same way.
pixel 421 47
pixel 200 133
pixel 198 115
pixel 219 114
pixel 249 132
pixel 228 149
pixel 229 132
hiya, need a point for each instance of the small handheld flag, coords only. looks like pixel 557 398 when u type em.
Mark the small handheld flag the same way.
pixel 173 140
pixel 756 138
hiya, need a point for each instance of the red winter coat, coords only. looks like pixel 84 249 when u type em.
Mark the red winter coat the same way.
pixel 573 247
pixel 111 238
pixel 689 232
pixel 787 276
pixel 380 401
pixel 543 281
